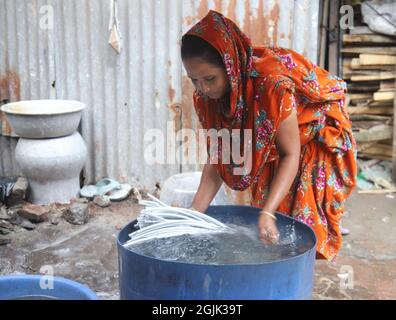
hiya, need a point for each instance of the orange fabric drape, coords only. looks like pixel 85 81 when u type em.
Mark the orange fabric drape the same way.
pixel 267 83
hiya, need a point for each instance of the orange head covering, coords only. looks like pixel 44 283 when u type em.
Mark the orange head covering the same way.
pixel 237 52
pixel 262 82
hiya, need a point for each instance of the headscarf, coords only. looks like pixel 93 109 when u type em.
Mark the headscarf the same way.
pixel 263 82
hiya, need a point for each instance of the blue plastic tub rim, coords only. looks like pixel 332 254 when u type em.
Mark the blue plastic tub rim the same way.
pixel 291 219
pixel 17 286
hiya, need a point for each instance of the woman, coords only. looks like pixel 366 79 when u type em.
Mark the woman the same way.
pixel 303 160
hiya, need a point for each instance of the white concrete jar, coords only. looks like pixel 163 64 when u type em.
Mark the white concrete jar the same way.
pixel 52 167
pixel 50 152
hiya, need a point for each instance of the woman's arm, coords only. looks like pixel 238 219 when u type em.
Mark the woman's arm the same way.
pixel 208 187
pixel 288 147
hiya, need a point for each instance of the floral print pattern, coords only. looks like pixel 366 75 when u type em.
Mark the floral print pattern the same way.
pixel 267 84
pixel 263 129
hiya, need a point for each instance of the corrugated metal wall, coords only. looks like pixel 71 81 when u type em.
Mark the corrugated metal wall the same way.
pixel 141 88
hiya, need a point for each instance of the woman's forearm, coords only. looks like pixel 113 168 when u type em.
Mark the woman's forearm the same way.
pixel 280 185
pixel 208 187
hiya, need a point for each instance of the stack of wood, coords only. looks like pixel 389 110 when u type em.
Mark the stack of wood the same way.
pixel 369 67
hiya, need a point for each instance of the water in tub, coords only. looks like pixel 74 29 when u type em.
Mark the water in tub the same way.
pixel 241 246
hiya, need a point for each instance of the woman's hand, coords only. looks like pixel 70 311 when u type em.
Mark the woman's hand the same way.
pixel 268 231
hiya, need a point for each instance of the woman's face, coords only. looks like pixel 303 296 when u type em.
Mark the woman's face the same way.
pixel 209 79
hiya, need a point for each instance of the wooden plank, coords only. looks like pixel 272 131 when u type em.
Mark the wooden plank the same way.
pixel 379 149
pixel 361 146
pixel 374 77
pixel 367 117
pixel 376 157
pixel 377 191
pixel 346 69
pixel 377 68
pixel 387 86
pixel 384 96
pixel 376 150
pixel 355 63
pixel 385 103
pixel 371 110
pixel 363 87
pixel 387 90
pixel 376 133
pixel 347 62
pixel 372 50
pixel 368 124
pixel 361 102
pixel 376 59
pixel 367 39
pixel 367 72
pixel 361 30
pixel 358 96
pixel 388 142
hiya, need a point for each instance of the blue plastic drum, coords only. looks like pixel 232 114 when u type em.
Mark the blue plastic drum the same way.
pixel 143 277
pixel 36 287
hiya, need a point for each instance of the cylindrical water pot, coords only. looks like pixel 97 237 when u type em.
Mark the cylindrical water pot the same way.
pixel 144 277
pixel 41 287
pixel 52 167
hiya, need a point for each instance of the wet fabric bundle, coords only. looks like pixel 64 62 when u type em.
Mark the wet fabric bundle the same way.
pixel 158 220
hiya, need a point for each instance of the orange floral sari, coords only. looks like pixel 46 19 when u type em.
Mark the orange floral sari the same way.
pixel 267 83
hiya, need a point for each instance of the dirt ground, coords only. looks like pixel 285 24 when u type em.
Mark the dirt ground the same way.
pixel 365 268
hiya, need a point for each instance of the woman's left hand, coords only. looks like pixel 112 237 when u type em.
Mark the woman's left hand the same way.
pixel 268 231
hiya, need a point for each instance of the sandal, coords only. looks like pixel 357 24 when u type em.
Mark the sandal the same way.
pixel 103 187
pixel 120 194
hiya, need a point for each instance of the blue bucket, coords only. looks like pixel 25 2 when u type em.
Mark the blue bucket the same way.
pixel 33 287
pixel 142 277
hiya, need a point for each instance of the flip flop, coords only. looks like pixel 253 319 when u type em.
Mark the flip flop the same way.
pixel 345 231
pixel 120 194
pixel 103 187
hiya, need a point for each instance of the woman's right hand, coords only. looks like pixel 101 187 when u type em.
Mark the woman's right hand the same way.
pixel 268 231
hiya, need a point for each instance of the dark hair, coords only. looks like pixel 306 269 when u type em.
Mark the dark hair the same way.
pixel 196 47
